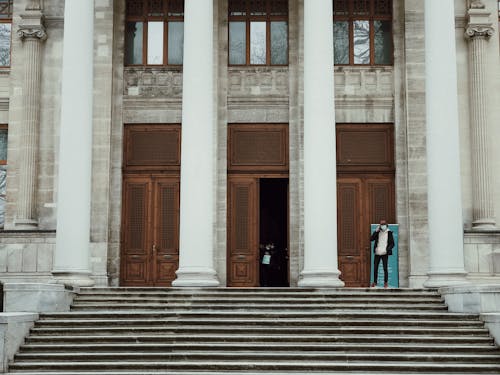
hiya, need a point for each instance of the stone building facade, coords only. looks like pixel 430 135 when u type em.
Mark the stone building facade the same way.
pixel 68 121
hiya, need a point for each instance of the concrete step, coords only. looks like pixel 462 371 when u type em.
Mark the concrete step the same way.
pixel 173 329
pixel 278 357
pixel 257 331
pixel 273 315
pixel 378 347
pixel 226 322
pixel 305 366
pixel 302 338
pixel 82 306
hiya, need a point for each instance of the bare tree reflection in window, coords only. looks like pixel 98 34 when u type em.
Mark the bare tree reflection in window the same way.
pixel 133 43
pixel 341 42
pixel 383 42
pixel 279 43
pixel 361 42
pixel 258 43
pixel 237 43
pixel 5 44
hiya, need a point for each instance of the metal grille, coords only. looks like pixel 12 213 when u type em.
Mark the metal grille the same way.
pixel 258 7
pixel 135 7
pixel 380 200
pixel 340 7
pixel 258 148
pixel 154 148
pixel 6 8
pixel 137 217
pixel 364 148
pixel 348 226
pixel 237 7
pixel 168 217
pixel 279 8
pixel 361 7
pixel 155 8
pixel 383 7
pixel 241 217
pixel 176 7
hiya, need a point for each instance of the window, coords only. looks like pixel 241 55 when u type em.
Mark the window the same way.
pixel 5 31
pixel 154 32
pixel 362 32
pixel 258 32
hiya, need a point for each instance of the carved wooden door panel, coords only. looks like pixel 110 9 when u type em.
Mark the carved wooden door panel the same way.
pixel 136 238
pixel 165 257
pixel 242 265
pixel 150 230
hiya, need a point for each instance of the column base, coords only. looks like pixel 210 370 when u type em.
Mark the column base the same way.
pixel 73 278
pixel 484 224
pixel 437 280
pixel 196 277
pixel 320 279
pixel 26 224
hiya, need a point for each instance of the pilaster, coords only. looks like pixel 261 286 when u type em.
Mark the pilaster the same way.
pixel 32 32
pixel 478 31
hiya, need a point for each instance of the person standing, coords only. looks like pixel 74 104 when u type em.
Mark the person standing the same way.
pixel 384 242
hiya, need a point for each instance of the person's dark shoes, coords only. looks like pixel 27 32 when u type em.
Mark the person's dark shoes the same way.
pixel 386 286
pixel 372 285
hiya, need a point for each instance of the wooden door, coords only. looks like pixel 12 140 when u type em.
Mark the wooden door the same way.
pixel 150 230
pixel 351 257
pixel 165 230
pixel 243 258
pixel 362 199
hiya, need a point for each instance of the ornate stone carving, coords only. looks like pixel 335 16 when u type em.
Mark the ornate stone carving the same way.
pixel 32 24
pixel 152 82
pixel 253 82
pixel 477 4
pixel 473 31
pixel 34 5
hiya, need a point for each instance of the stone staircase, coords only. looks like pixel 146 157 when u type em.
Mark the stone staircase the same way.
pixel 257 331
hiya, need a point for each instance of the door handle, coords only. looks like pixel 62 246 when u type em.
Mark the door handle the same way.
pixel 241 257
pixel 154 249
pixel 167 256
pixel 135 256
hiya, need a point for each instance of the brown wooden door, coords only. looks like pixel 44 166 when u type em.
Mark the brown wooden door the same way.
pixel 150 230
pixel 362 200
pixel 242 265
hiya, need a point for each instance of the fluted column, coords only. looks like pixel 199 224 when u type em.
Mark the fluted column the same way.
pixel 32 32
pixel 320 176
pixel 196 240
pixel 72 255
pixel 478 31
pixel 446 256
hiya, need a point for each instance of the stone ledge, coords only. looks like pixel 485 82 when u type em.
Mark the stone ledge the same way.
pixel 483 298
pixel 14 327
pixel 37 297
pixel 492 322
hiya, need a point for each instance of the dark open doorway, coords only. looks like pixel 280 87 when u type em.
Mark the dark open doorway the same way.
pixel 273 208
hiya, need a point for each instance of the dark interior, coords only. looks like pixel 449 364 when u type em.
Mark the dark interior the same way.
pixel 274 230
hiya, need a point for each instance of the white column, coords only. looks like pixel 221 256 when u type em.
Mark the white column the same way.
pixel 32 32
pixel 72 256
pixel 320 176
pixel 443 158
pixel 478 31
pixel 196 240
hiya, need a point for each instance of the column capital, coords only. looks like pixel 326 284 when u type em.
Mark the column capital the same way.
pixel 32 25
pixel 478 23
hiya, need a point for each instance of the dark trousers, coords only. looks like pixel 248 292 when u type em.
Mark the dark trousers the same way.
pixel 375 269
